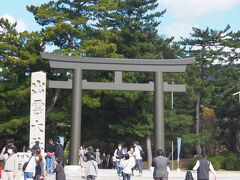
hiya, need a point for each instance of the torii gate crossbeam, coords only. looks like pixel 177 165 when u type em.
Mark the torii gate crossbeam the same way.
pixel 78 64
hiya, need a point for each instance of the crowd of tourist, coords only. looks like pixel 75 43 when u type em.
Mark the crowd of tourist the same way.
pixel 124 160
pixel 33 165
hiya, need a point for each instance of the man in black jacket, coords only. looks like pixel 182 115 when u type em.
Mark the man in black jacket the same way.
pixel 59 151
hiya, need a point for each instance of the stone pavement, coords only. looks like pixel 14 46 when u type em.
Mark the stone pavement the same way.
pixel 110 174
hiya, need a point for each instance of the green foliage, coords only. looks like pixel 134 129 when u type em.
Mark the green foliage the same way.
pixel 194 139
pixel 19 56
pixel 217 161
pixel 232 162
pixel 207 46
pixel 176 121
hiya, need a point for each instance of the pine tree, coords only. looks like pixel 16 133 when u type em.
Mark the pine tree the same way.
pixel 19 57
pixel 207 46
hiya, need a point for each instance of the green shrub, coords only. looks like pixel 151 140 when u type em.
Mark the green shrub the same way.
pixel 238 164
pixel 231 161
pixel 217 161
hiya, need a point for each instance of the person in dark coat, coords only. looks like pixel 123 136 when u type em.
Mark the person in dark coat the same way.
pixel 59 151
pixel 160 164
pixel 60 174
pixel 202 167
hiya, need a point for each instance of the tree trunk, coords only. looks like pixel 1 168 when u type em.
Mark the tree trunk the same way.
pixel 238 134
pixel 198 98
pixel 54 100
pixel 149 152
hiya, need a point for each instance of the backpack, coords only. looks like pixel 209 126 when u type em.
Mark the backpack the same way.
pixel 119 154
pixel 189 176
pixel 142 153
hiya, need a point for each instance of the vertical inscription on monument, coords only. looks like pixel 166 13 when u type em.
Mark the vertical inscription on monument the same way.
pixel 37 111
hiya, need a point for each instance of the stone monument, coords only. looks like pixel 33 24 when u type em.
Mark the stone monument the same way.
pixel 37 109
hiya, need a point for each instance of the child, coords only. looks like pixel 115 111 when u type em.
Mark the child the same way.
pixel 91 169
pixel 127 164
pixel 60 175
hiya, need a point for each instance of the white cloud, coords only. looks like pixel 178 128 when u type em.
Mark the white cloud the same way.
pixel 178 29
pixel 186 13
pixel 21 26
pixel 192 9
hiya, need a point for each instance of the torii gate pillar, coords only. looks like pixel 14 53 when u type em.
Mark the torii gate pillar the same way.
pixel 159 134
pixel 76 115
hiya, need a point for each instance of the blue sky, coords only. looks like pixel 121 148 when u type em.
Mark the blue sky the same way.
pixel 178 21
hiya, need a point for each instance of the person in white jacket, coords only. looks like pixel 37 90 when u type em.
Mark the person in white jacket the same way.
pixel 29 172
pixel 132 158
pixel 10 158
pixel 127 164
pixel 91 169
pixel 137 154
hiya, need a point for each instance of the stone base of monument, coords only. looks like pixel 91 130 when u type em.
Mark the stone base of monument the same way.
pixel 73 172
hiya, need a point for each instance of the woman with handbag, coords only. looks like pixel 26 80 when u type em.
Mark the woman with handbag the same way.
pixel 29 166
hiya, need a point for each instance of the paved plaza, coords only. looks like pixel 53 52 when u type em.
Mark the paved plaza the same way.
pixel 110 174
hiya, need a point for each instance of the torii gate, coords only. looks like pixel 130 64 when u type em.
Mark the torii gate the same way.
pixel 78 64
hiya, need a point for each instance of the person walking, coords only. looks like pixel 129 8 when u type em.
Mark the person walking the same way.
pixel 104 161
pixel 137 154
pixel 60 174
pixel 10 158
pixel 58 153
pixel 81 153
pixel 127 164
pixel 132 158
pixel 50 156
pixel 39 169
pixel 98 158
pixel 91 169
pixel 160 164
pixel 118 156
pixel 202 167
pixel 29 168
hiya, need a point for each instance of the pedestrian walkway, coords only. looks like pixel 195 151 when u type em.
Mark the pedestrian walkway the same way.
pixel 110 174
pixel 174 175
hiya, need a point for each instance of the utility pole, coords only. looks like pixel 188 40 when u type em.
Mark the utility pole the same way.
pixel 172 114
pixel 172 96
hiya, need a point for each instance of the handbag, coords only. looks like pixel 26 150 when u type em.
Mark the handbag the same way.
pixel 26 164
